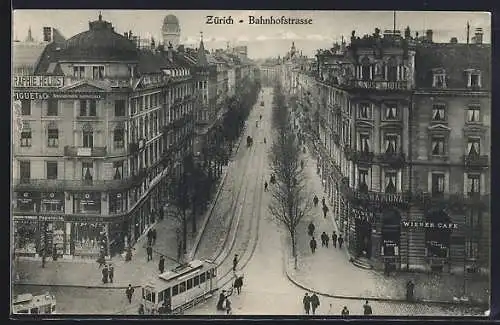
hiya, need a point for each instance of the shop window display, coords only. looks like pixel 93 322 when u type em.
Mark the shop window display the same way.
pixel 88 238
pixel 87 203
pixel 26 237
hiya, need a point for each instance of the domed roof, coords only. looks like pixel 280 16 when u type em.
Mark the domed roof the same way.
pixel 100 42
pixel 171 24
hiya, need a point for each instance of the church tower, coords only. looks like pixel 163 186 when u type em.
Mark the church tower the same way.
pixel 171 31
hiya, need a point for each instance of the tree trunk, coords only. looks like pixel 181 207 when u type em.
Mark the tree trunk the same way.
pixel 294 248
pixel 184 231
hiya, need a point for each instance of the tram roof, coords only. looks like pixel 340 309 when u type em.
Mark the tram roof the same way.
pixel 179 274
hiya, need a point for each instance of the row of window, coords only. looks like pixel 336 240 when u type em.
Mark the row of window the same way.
pixel 81 71
pixel 52 170
pixel 439 78
pixel 85 107
pixel 438 182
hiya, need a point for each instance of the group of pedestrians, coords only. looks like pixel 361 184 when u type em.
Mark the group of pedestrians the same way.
pixel 108 273
pixel 311 304
pixel 325 239
pixel 324 208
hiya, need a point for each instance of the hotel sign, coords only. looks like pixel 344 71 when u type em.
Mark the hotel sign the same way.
pixel 38 81
pixel 398 198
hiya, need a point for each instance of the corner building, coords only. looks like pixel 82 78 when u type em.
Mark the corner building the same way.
pixel 402 138
pixel 96 141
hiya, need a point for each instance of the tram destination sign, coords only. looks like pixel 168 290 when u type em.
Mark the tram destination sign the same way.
pixel 38 81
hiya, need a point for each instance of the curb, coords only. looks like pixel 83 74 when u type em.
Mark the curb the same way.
pixel 60 285
pixel 425 301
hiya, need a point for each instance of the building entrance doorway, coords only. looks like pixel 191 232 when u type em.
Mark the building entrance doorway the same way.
pixel 391 239
pixel 363 238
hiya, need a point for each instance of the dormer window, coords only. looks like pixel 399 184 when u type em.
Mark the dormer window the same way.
pixel 79 71
pixel 438 113
pixel 439 78
pixel 473 78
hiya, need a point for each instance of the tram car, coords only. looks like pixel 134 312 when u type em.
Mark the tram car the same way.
pixel 27 304
pixel 174 291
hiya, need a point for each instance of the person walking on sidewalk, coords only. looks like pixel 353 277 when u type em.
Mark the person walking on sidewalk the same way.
pixel 161 264
pixel 104 274
pixel 334 239
pixel 149 251
pixel 153 236
pixel 345 312
pixel 111 272
pixel 306 301
pixel 323 201
pixel 367 309
pixel 149 235
pixel 327 239
pixel 235 262
pixel 238 283
pixel 315 200
pixel 324 237
pixel 312 244
pixel 129 292
pixel 341 241
pixel 311 229
pixel 265 186
pixel 314 303
pixel 325 211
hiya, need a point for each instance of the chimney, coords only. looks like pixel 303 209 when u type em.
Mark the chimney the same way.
pixel 170 52
pixel 428 35
pixel 478 36
pixel 453 40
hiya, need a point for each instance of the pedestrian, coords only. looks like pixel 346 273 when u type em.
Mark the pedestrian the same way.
pixel 128 255
pixel 235 262
pixel 153 236
pixel 149 235
pixel 238 283
pixel 334 239
pixel 129 292
pixel 141 309
pixel 149 251
pixel 314 303
pixel 101 260
pixel 367 309
pixel 311 229
pixel 222 298
pixel 111 272
pixel 161 264
pixel 325 211
pixel 315 200
pixel 327 239
pixel 104 274
pixel 345 311
pixel 312 244
pixel 410 286
pixel 341 241
pixel 323 201
pixel 307 303
pixel 265 186
pixel 324 236
pixel 228 306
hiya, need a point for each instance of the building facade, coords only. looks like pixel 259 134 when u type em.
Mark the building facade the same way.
pixel 402 134
pixel 102 124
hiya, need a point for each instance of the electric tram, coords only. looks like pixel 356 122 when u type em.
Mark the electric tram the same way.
pixel 26 303
pixel 174 291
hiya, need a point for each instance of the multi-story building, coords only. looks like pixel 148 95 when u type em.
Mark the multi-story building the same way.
pixel 102 125
pixel 402 126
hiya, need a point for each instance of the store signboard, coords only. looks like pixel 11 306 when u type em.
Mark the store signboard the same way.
pixel 24 81
pixel 34 95
pixel 84 152
pixel 25 198
pixel 88 199
pixel 51 198
pixel 43 218
pixel 429 225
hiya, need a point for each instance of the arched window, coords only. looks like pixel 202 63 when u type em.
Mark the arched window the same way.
pixel 392 69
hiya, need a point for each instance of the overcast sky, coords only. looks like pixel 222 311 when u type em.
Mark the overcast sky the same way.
pixel 262 40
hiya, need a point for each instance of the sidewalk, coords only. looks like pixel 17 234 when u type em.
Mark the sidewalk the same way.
pixel 86 273
pixel 330 273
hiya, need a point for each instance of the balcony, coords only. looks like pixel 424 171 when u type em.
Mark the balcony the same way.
pixel 452 201
pixel 394 160
pixel 59 185
pixel 72 151
pixel 476 161
pixel 378 84
pixel 362 156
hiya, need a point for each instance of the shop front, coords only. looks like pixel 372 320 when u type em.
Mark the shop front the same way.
pixel 438 228
pixel 390 239
pixel 52 202
pixel 363 220
pixel 35 236
pixel 27 201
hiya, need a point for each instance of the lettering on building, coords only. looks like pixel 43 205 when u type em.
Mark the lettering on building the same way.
pixel 38 81
pixel 427 224
pixel 380 197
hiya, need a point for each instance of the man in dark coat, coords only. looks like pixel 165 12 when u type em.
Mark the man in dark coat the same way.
pixel 345 311
pixel 238 283
pixel 325 211
pixel 409 290
pixel 153 236
pixel 149 251
pixel 334 239
pixel 161 264
pixel 314 303
pixel 341 241
pixel 311 228
pixel 312 244
pixel 327 239
pixel 323 201
pixel 129 292
pixel 149 235
pixel 111 272
pixel 104 274
pixel 307 303
pixel 367 309
pixel 222 297
pixel 265 186
pixel 315 201
pixel 235 262
pixel 323 239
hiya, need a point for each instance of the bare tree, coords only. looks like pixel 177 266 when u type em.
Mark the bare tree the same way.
pixel 290 203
